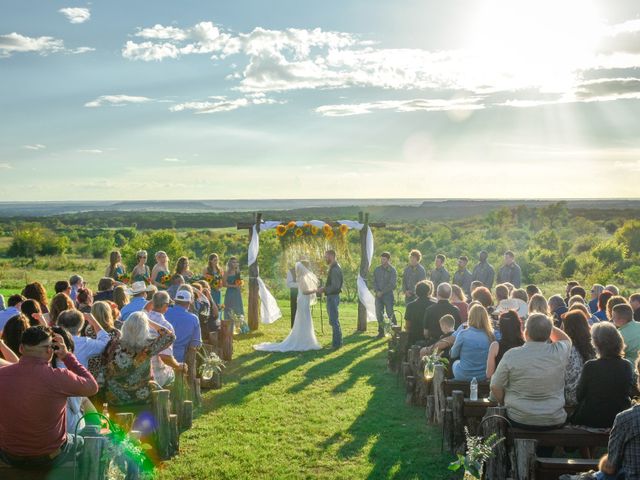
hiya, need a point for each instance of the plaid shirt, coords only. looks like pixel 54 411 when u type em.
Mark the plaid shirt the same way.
pixel 624 442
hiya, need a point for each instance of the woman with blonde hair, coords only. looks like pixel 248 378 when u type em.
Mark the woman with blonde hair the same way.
pixel 103 314
pixel 141 272
pixel 459 299
pixel 128 360
pixel 160 270
pixel 213 272
pixel 538 304
pixel 116 269
pixel 120 296
pixel 471 347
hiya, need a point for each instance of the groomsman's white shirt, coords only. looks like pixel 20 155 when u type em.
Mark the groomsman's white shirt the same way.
pixel 291 283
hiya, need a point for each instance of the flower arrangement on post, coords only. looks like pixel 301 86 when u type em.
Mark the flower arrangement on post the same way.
pixel 430 362
pixel 479 450
pixel 212 365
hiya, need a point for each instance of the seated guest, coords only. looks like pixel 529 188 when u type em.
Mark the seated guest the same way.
pixel 613 301
pixel 128 360
pixel 36 291
pixel 634 301
pixel 529 380
pixel 613 289
pixel 576 326
pixel 434 313
pixel 475 284
pixel 138 292
pixel 622 318
pixel 584 309
pixel 102 313
pixel 2 306
pixel 105 290
pixel 538 304
pixel 472 346
pixel 510 337
pixel 517 301
pixel 531 291
pixel 621 461
pixel 177 281
pixel 414 313
pixel 31 310
pixel 579 291
pixel 62 286
pixel 84 300
pixel 13 308
pixel 85 347
pixel 33 400
pixel 596 290
pixel 459 300
pixel 567 291
pixel 13 330
pixel 185 325
pixel 120 296
pixel 606 382
pixel 59 303
pixel 603 299
pixel 445 342
pixel 7 356
pixel 76 282
pixel 483 295
pixel 557 306
pixel 164 366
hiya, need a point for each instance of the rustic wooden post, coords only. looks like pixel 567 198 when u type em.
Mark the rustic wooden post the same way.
pixel 187 419
pixel 431 409
pixel 160 407
pixel 438 392
pixel 92 464
pixel 174 435
pixel 525 459
pixel 226 340
pixel 411 387
pixel 125 420
pixel 495 422
pixel 197 393
pixel 364 269
pixel 254 299
pixel 447 427
pixel 457 407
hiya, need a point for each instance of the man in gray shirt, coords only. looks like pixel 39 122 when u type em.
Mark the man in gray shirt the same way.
pixel 439 274
pixel 332 290
pixel 462 277
pixel 413 274
pixel 484 272
pixel 510 272
pixel 385 279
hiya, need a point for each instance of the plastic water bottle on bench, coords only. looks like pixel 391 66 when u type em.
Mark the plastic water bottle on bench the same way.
pixel 473 390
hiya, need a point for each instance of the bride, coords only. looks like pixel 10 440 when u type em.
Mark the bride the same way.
pixel 302 336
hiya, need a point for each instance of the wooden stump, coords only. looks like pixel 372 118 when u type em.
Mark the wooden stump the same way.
pixel 525 459
pixel 411 386
pixel 497 466
pixel 431 410
pixel 457 407
pixel 197 393
pixel 160 406
pixel 92 464
pixel 174 435
pixel 125 421
pixel 226 340
pixel 438 392
pixel 447 427
pixel 187 415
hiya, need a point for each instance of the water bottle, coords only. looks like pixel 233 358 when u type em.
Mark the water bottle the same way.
pixel 474 390
pixel 105 412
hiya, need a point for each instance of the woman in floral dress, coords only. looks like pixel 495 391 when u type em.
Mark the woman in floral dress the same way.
pixel 128 360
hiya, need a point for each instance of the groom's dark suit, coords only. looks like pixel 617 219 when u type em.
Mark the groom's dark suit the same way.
pixel 332 290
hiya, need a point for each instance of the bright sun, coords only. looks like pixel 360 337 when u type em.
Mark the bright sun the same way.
pixel 537 44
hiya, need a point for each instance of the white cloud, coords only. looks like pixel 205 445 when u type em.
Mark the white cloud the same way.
pixel 171 160
pixel 5 166
pixel 116 100
pixel 36 146
pixel 79 50
pixel 76 14
pixel 222 104
pixel 149 51
pixel 94 151
pixel 429 105
pixel 16 43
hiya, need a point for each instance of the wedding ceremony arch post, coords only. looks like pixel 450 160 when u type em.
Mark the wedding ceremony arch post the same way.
pixel 366 255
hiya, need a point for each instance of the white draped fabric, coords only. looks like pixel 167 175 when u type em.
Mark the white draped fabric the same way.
pixel 270 311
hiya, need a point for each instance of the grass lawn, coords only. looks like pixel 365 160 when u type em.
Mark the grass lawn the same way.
pixel 322 414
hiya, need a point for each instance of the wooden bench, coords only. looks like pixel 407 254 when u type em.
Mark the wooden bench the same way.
pixel 531 467
pixel 465 387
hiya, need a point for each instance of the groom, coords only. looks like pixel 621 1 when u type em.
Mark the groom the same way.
pixel 332 290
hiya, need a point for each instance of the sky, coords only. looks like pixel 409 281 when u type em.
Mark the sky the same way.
pixel 119 100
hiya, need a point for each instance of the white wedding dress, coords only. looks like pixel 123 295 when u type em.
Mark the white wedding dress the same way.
pixel 302 337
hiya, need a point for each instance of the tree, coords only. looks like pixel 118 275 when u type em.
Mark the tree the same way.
pixel 629 235
pixel 569 267
pixel 27 241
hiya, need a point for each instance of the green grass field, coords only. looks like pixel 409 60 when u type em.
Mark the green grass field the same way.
pixel 322 414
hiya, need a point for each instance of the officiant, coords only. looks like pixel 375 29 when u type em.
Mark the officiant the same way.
pixel 293 292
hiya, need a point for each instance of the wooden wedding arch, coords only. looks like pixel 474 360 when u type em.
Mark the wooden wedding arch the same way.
pixel 253 308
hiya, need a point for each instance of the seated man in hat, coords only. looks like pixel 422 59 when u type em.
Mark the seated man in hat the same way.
pixel 185 324
pixel 138 291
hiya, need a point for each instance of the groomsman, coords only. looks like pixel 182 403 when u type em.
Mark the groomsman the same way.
pixel 293 292
pixel 462 277
pixel 385 279
pixel 413 274
pixel 484 272
pixel 510 272
pixel 439 274
pixel 332 289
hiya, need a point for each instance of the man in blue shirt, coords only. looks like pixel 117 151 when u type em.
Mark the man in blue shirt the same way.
pixel 185 324
pixel 138 291
pixel 13 308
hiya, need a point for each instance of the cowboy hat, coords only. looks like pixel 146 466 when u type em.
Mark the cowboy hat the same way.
pixel 138 287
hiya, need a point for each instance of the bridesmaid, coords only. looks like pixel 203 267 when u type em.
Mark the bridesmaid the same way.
pixel 141 272
pixel 233 294
pixel 213 270
pixel 182 268
pixel 160 269
pixel 115 269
